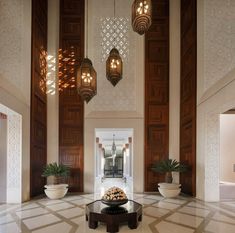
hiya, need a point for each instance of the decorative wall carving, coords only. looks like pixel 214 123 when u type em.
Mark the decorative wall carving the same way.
pixel 11 24
pixel 156 92
pixel 114 33
pixel 123 96
pixel 38 121
pixel 188 94
pixel 71 118
pixel 219 40
pixel 212 151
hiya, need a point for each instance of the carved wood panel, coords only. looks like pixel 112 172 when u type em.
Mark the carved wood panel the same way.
pixel 38 132
pixel 71 119
pixel 156 92
pixel 188 95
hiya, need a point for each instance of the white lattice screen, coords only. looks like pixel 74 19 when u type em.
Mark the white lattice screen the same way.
pixel 114 33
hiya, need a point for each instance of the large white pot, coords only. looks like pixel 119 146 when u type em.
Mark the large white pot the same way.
pixel 56 191
pixel 169 190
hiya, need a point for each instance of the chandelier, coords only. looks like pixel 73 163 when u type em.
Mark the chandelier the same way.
pixel 114 62
pixel 86 75
pixel 113 150
pixel 141 15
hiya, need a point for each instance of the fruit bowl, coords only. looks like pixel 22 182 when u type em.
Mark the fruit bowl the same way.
pixel 115 203
pixel 114 197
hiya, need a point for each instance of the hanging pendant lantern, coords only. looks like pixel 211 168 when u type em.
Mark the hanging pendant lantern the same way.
pixel 114 67
pixel 141 16
pixel 86 75
pixel 86 80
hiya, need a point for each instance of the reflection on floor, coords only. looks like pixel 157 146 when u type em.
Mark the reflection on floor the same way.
pixel 179 215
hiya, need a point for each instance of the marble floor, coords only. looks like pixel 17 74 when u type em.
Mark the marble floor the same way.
pixel 178 215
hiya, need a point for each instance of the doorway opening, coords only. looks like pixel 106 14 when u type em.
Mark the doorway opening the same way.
pixel 113 159
pixel 227 159
pixel 11 155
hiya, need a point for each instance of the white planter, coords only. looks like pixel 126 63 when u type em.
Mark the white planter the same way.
pixel 56 191
pixel 169 190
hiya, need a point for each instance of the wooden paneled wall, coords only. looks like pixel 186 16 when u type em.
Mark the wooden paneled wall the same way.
pixel 156 92
pixel 38 138
pixel 71 107
pixel 188 94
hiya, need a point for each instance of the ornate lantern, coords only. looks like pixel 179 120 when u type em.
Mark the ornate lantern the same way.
pixel 141 16
pixel 86 75
pixel 86 80
pixel 114 67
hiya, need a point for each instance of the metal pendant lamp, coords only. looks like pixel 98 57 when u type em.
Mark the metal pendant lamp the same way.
pixel 86 75
pixel 141 16
pixel 114 63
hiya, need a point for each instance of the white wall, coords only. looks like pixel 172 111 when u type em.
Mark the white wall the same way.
pixel 174 103
pixel 3 160
pixel 15 66
pixel 227 147
pixel 52 82
pixel 215 88
pixel 121 106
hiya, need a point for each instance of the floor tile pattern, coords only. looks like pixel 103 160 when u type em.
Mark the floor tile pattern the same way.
pixel 175 215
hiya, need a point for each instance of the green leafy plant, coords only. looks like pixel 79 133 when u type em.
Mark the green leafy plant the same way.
pixel 168 166
pixel 56 170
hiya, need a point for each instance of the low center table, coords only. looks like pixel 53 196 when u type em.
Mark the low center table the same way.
pixel 96 212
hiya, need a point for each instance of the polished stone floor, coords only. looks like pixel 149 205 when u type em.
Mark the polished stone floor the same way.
pixel 178 215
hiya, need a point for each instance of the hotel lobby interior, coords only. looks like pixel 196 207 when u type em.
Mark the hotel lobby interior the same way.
pixel 107 89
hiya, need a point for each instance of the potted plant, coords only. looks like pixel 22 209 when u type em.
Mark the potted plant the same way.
pixel 58 172
pixel 169 189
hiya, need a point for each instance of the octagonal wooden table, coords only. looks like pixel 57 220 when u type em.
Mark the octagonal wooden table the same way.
pixel 96 212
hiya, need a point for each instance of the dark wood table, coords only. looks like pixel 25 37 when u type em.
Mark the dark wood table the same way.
pixel 96 212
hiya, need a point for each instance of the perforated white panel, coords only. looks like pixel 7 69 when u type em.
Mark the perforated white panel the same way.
pixel 114 33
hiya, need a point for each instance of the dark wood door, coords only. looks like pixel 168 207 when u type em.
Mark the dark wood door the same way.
pixel 71 117
pixel 156 92
pixel 38 132
pixel 188 95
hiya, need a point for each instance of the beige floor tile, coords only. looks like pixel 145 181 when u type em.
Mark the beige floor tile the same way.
pixel 219 227
pixel 10 228
pixel 56 228
pixel 31 212
pixel 60 206
pixel 40 221
pixel 82 201
pixel 145 201
pixel 155 212
pixel 185 219
pixel 6 219
pixel 194 211
pixel 166 205
pixel 224 218
pixel 73 212
pixel 167 227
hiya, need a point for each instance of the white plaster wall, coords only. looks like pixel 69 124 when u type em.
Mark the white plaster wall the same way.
pixel 174 108
pixel 3 160
pixel 15 56
pixel 227 147
pixel 108 109
pixel 215 89
pixel 52 82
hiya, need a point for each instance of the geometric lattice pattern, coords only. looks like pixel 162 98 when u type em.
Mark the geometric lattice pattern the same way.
pixel 114 33
pixel 178 215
